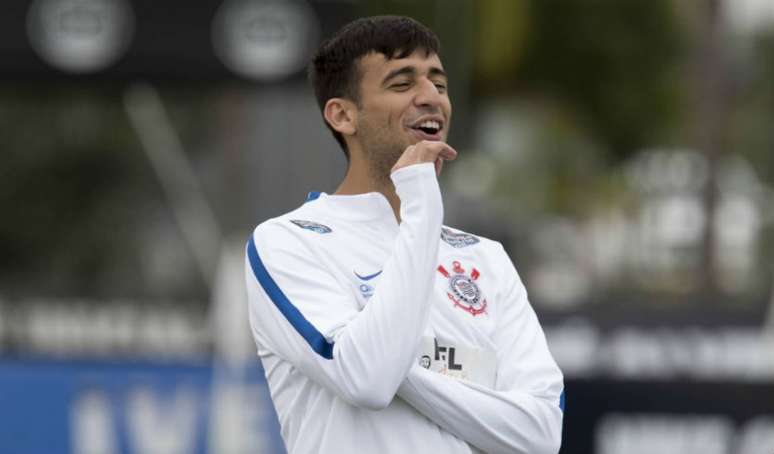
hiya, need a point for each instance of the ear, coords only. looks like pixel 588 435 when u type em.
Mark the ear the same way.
pixel 341 114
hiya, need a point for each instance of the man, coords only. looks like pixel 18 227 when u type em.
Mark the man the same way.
pixel 379 329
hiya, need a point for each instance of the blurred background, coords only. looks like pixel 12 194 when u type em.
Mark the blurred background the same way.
pixel 622 151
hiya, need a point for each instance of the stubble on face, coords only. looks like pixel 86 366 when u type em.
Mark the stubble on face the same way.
pixel 382 149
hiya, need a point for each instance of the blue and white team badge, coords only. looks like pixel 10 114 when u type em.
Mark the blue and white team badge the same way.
pixel 463 290
pixel 313 226
pixel 458 240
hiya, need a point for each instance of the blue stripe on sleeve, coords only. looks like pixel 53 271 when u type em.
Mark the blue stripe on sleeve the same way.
pixel 561 401
pixel 313 337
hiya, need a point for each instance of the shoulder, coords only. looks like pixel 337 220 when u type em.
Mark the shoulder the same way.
pixel 296 229
pixel 480 249
pixel 459 239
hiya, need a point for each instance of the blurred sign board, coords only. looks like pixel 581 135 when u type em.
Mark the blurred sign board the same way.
pixel 668 417
pixel 267 39
pixel 77 36
pixel 53 407
pixel 201 41
pixel 630 389
pixel 717 352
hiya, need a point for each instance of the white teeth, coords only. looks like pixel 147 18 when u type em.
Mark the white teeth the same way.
pixel 430 124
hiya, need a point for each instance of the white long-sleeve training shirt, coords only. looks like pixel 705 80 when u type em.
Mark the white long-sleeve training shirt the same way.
pixel 379 337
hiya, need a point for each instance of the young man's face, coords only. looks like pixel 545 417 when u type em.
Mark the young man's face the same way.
pixel 402 101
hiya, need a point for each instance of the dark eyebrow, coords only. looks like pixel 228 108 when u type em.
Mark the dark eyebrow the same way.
pixel 435 71
pixel 410 70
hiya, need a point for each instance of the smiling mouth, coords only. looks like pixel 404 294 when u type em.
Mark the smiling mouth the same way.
pixel 429 128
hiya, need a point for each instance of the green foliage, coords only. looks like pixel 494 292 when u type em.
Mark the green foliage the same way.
pixel 501 30
pixel 615 63
pixel 753 110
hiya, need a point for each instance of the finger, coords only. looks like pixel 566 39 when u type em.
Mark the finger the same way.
pixel 429 151
pixel 448 153
pixel 438 166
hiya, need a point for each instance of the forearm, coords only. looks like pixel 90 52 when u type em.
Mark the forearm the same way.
pixel 379 346
pixel 493 421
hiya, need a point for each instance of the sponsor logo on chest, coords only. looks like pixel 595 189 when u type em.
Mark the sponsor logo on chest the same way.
pixel 478 365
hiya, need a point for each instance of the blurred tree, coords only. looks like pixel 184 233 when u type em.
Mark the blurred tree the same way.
pixel 502 27
pixel 614 63
pixel 575 88
pixel 753 110
pixel 77 196
pixel 751 134
pixel 711 97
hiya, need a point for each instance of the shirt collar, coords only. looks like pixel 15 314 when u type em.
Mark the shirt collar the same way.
pixel 370 206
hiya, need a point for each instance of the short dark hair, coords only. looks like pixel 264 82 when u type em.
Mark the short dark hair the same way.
pixel 334 69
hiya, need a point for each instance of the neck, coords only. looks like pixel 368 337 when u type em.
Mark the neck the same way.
pixel 359 180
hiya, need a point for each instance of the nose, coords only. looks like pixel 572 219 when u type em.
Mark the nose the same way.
pixel 428 94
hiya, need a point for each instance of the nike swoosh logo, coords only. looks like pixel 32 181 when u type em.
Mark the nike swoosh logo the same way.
pixel 369 277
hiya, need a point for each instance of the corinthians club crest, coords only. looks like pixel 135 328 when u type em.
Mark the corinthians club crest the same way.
pixel 463 290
